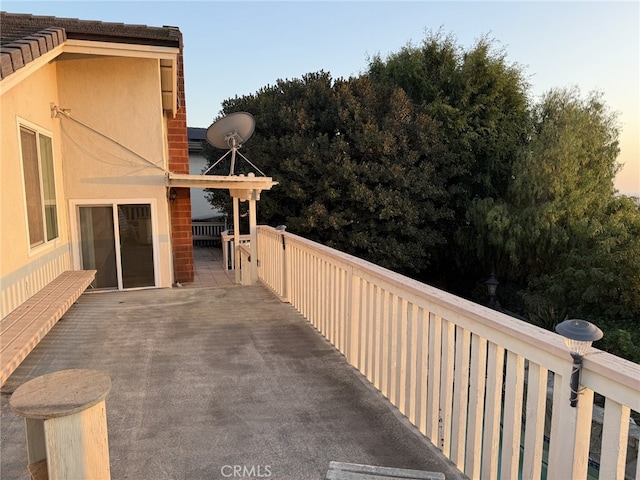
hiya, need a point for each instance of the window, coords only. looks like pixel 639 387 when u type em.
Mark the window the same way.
pixel 40 187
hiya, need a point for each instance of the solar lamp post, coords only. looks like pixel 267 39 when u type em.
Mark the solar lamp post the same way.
pixel 578 336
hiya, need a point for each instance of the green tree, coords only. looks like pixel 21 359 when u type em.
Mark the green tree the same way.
pixel 561 232
pixel 560 184
pixel 360 169
pixel 478 97
pixel 480 101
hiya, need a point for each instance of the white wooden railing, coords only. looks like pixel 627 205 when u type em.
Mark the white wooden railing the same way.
pixel 228 248
pixel 243 270
pixel 479 384
pixel 207 231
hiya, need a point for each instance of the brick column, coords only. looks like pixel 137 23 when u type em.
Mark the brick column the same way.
pixel 181 240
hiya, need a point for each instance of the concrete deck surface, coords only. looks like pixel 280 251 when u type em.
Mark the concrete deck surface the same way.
pixel 205 379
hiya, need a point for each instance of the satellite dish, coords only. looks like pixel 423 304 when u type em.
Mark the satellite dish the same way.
pixel 231 132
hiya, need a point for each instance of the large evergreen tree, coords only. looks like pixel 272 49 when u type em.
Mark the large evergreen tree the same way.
pixel 360 169
pixel 480 101
pixel 478 97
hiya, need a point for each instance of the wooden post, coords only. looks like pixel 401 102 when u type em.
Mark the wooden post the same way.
pixel 253 233
pixel 236 237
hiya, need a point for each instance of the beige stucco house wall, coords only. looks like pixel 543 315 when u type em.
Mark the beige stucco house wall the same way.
pixel 24 270
pixel 106 106
pixel 127 113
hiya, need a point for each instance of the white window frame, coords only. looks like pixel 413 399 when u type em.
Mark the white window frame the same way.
pixel 46 244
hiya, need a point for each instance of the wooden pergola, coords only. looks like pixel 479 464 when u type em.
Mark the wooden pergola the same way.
pixel 241 188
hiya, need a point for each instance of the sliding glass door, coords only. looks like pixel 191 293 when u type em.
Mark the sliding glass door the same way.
pixel 116 240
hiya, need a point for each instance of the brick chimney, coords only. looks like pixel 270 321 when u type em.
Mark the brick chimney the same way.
pixel 181 239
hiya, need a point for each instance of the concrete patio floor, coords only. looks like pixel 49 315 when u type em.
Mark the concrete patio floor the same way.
pixel 204 379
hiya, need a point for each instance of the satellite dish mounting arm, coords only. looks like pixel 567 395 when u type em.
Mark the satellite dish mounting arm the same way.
pixel 231 132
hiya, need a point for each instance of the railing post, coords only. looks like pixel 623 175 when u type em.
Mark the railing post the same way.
pixel 353 305
pixel 253 232
pixel 236 238
pixel 284 293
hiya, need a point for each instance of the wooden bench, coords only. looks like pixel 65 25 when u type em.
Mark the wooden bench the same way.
pixel 354 471
pixel 23 328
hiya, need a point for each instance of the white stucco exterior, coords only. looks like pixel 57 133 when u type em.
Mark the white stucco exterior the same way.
pixel 109 147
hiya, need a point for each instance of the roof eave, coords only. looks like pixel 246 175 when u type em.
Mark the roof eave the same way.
pixel 167 56
pixel 21 73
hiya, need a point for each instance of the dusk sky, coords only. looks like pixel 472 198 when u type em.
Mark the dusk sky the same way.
pixel 236 48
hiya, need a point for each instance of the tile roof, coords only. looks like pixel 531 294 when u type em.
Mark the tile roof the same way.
pixel 196 136
pixel 25 37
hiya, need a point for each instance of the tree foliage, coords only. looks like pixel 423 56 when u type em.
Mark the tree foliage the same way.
pixel 478 97
pixel 560 231
pixel 480 101
pixel 360 169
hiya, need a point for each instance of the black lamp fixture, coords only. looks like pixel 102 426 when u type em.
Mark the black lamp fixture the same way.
pixel 578 336
pixel 282 228
pixel 492 286
pixel 172 195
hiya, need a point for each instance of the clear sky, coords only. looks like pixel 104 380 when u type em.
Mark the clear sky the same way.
pixel 236 48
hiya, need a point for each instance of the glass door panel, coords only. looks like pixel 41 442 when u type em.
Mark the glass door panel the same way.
pixel 98 245
pixel 116 240
pixel 136 245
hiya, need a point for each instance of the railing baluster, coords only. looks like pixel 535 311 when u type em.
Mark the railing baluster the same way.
pixel 460 397
pixel 535 420
pixel 512 417
pixel 446 385
pixel 412 374
pixel 354 329
pixel 492 411
pixel 403 354
pixel 371 323
pixel 394 329
pixel 334 305
pixel 476 406
pixel 319 297
pixel 377 353
pixel 615 431
pixel 423 372
pixel 345 302
pixel 434 358
pixel 324 307
pixel 312 291
pixel 385 339
pixel 307 280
